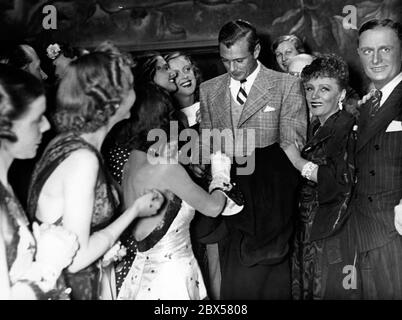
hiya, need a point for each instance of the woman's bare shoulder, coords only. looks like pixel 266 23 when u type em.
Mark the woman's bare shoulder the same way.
pixel 81 164
pixel 142 167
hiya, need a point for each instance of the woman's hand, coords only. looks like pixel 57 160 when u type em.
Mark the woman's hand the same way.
pixel 56 247
pixel 148 204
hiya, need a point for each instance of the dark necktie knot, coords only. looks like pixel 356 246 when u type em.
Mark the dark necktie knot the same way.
pixel 375 102
pixel 243 81
pixel 377 94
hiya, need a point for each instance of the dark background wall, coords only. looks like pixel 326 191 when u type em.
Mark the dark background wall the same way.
pixel 193 25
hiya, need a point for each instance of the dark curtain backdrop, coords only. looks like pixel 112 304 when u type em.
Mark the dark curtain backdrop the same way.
pixel 192 25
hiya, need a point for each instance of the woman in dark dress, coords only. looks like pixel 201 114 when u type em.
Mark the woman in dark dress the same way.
pixel 30 264
pixel 327 164
pixel 70 185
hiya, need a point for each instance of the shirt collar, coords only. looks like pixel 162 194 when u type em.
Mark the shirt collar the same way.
pixel 389 87
pixel 250 79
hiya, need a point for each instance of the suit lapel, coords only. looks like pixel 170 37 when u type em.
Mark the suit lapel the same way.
pixel 258 96
pixel 371 126
pixel 221 103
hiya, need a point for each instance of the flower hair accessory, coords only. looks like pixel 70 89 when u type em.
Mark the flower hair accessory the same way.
pixel 53 51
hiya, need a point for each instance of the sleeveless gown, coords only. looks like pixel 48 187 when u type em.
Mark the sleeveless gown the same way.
pixel 85 284
pixel 165 267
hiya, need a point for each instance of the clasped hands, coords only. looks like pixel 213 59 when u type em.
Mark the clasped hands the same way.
pixel 55 246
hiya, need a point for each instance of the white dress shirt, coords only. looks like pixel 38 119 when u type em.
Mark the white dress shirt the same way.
pixel 389 87
pixel 235 84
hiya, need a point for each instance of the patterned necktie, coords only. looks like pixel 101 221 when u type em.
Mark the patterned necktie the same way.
pixel 242 95
pixel 375 102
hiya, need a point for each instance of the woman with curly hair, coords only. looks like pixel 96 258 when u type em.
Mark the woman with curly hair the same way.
pixel 326 162
pixel 30 264
pixel 188 80
pixel 61 55
pixel 70 185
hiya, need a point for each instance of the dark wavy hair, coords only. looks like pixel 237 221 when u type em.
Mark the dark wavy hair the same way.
pixel 153 109
pixel 18 89
pixel 329 66
pixel 92 89
pixel 145 67
pixel 196 69
pixel 238 29
pixel 299 46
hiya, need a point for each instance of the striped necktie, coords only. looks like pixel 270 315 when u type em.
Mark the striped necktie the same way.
pixel 375 102
pixel 242 95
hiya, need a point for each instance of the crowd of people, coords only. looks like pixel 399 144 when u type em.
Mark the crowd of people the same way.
pixel 299 179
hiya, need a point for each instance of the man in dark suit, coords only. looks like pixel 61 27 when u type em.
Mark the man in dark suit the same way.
pixel 250 98
pixel 379 164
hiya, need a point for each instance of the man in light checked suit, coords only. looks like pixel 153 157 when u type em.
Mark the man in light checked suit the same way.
pixel 254 259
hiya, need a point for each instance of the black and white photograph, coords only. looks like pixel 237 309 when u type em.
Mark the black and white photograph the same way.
pixel 216 151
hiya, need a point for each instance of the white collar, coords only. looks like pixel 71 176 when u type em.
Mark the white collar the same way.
pixel 389 87
pixel 235 84
pixel 191 113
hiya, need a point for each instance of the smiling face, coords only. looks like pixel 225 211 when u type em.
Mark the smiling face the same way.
pixel 164 76
pixel 185 80
pixel 239 62
pixel 380 55
pixel 322 96
pixel 28 128
pixel 283 53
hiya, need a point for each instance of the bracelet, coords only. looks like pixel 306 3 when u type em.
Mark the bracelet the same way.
pixel 308 169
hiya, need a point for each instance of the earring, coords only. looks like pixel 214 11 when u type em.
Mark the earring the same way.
pixel 340 105
pixel 153 152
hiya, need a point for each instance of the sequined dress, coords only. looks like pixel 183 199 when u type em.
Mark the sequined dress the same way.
pixel 165 267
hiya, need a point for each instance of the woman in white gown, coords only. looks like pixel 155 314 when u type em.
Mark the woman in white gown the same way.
pixel 165 266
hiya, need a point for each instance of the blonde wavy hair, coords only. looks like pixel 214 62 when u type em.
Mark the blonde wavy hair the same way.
pixel 92 89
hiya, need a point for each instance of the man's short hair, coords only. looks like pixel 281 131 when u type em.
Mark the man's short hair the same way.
pixel 238 29
pixel 388 23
